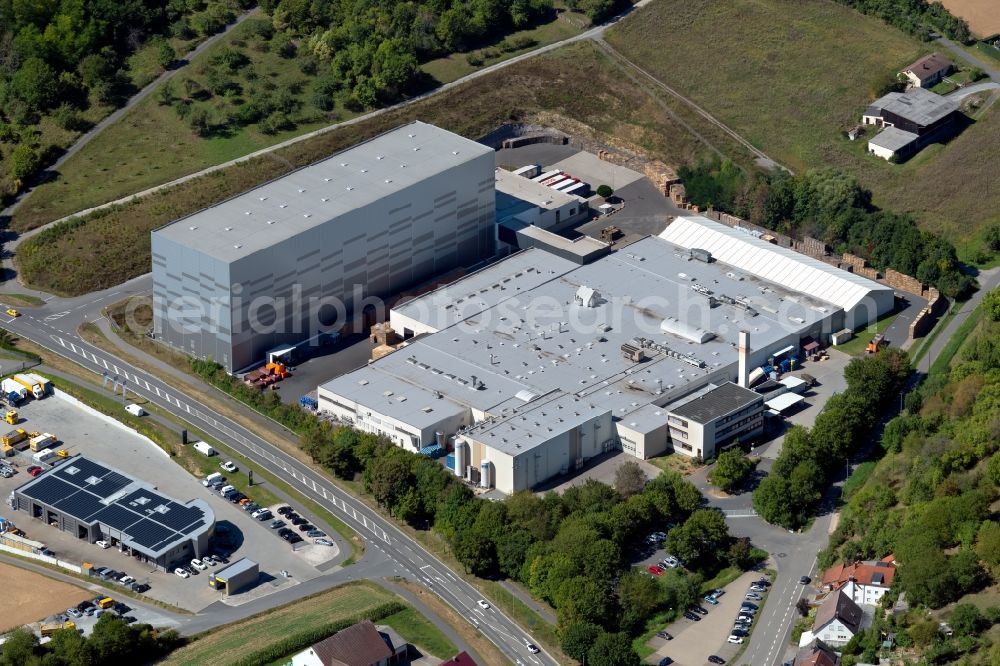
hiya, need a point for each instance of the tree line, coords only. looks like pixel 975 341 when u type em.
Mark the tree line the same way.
pixel 916 17
pixel 810 457
pixel 112 641
pixel 829 205
pixel 930 501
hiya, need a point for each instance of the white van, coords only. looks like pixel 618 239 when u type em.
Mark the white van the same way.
pixel 135 410
pixel 211 479
pixel 225 489
pixel 204 448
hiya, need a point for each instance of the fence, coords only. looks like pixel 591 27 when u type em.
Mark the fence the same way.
pixel 75 568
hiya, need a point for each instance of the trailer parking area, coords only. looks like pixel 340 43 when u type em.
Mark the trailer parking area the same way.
pixel 237 533
pixel 30 597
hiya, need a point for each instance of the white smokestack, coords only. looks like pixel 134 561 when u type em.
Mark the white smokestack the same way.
pixel 744 370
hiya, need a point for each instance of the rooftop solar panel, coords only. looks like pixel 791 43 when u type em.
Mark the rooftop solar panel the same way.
pixel 81 505
pixel 147 533
pixel 48 489
pixel 117 517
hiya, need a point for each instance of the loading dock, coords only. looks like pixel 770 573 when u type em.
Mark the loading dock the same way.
pixel 236 577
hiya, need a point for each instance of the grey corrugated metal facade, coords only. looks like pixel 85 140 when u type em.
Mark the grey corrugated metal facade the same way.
pixel 370 221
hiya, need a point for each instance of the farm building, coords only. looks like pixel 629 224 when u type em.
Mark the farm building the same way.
pixel 910 120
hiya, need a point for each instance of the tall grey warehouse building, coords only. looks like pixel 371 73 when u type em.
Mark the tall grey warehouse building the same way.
pixel 370 221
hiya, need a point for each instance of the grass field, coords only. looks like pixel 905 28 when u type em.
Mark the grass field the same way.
pixel 793 76
pixel 31 597
pixel 242 638
pixel 575 88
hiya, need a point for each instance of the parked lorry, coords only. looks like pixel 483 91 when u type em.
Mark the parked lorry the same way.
pixel 15 437
pixel 39 386
pixel 13 391
pixel 205 448
pixel 44 456
pixel 42 441
pixel 49 628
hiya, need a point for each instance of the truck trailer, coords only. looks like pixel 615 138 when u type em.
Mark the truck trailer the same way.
pixel 39 386
pixel 13 391
pixel 43 441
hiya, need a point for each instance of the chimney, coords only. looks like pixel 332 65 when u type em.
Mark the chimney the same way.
pixel 743 378
pixel 659 386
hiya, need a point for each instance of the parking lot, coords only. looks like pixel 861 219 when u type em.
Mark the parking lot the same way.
pixel 80 430
pixel 694 641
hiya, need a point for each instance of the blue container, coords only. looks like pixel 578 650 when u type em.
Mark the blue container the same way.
pixel 309 402
pixel 450 461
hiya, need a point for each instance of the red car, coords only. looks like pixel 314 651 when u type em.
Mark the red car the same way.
pixel 35 470
pixel 655 570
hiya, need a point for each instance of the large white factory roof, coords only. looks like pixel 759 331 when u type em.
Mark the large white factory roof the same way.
pixel 519 330
pixel 320 192
pixel 515 194
pixel 774 263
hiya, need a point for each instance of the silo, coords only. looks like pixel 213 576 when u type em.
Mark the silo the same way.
pixel 484 474
pixel 461 458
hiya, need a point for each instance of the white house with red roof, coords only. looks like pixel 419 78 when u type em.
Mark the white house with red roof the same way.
pixel 864 582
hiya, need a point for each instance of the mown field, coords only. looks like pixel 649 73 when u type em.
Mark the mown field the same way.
pixel 792 76
pixel 576 88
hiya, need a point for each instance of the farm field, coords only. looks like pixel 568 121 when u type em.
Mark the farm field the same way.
pixel 791 77
pixel 243 638
pixel 32 597
pixel 576 88
pixel 983 15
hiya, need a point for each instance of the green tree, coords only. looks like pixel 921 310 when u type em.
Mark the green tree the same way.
pixel 68 648
pixel 475 551
pixel 19 648
pixel 613 650
pixel 387 479
pixel 965 619
pixel 639 596
pixel 512 548
pixel 731 470
pixel 604 191
pixel 580 599
pixel 110 641
pixel 165 54
pixel 578 638
pixel 991 305
pixel 36 84
pixel 24 163
pixel 629 478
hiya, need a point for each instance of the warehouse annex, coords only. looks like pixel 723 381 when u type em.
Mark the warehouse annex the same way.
pixel 535 364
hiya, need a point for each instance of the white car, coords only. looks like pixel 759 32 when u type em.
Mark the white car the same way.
pixel 198 564
pixel 483 604
pixel 126 580
pixel 182 572
pixel 735 640
pixel 229 466
pixel 102 544
pixel 531 647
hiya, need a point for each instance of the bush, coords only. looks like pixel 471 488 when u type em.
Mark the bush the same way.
pixel 604 191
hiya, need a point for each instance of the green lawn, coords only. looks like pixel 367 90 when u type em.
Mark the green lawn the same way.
pixel 418 630
pixel 243 638
pixel 856 345
pixel 943 362
pixel 791 77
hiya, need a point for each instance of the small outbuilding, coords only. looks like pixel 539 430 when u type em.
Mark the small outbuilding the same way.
pixel 235 578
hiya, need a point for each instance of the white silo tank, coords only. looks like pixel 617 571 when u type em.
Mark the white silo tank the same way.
pixel 484 474
pixel 461 458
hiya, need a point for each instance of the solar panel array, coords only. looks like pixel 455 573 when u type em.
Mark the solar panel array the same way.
pixel 93 493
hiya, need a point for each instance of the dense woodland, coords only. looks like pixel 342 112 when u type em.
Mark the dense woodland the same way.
pixel 829 205
pixel 931 501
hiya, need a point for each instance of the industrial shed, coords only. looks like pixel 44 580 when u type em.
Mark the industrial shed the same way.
pixel 861 300
pixel 235 578
pixel 94 502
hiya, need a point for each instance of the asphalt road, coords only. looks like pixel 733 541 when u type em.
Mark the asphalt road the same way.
pixel 54 325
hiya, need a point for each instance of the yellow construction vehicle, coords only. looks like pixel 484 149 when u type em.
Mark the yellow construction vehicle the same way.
pixel 11 417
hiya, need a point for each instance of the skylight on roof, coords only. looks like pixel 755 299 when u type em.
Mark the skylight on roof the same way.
pixel 93 480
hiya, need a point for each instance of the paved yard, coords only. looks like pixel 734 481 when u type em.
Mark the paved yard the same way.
pixel 82 431
pixel 695 641
pixel 602 468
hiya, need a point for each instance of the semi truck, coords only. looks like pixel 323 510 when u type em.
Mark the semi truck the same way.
pixel 39 386
pixel 13 391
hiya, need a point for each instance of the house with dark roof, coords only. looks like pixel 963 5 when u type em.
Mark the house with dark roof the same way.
pixel 838 620
pixel 910 121
pixel 361 644
pixel 864 582
pixel 816 653
pixel 928 71
pixel 460 659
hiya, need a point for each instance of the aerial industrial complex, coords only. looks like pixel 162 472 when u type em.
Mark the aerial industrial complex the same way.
pixel 535 364
pixel 235 280
pixel 94 502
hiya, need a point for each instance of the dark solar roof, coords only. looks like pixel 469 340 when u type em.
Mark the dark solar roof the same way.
pixel 720 401
pixel 93 493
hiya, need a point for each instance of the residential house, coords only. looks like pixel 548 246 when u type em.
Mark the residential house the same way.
pixel 361 644
pixel 910 121
pixel 460 659
pixel 928 71
pixel 837 620
pixel 864 582
pixel 816 653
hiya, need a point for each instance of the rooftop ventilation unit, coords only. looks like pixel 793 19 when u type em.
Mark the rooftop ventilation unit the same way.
pixel 587 297
pixel 701 255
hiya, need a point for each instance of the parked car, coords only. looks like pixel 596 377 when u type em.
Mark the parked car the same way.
pixel 141 588
pixel 275 524
pixel 74 612
pixel 298 520
pixel 763 581
pixel 324 542
pixel 709 599
pixel 130 619
pixel 747 604
pixel 121 608
pixel 655 570
pixel 699 609
pixel 182 572
pixel 126 580
pixel 35 470
pixel 284 510
pixel 735 640
pixel 229 466
pixel 739 631
pixel 293 538
pixel 716 659
pixel 315 534
pixel 671 562
pixel 198 564
pixel 101 543
pixel 666 661
pixel 664 635
pixel 691 616
pixel 753 596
